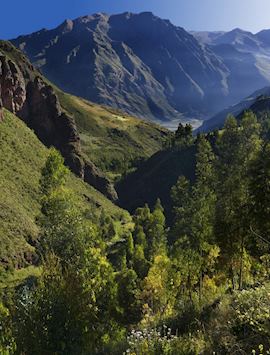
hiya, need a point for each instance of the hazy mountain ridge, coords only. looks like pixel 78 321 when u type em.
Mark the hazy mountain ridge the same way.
pixel 246 55
pixel 217 121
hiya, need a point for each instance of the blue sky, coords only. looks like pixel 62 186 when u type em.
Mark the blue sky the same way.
pixel 26 16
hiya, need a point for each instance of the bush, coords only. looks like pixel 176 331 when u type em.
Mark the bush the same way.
pixel 242 322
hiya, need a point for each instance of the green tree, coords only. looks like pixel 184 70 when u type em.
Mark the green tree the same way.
pixel 7 341
pixel 194 209
pixel 259 190
pixel 203 205
pixel 237 146
pixel 64 230
pixel 70 311
pixel 140 237
pixel 128 290
pixel 180 195
pixel 183 136
pixel 157 234
pixel 54 173
pixel 140 263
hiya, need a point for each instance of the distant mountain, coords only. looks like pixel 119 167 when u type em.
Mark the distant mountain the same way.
pixel 207 37
pixel 250 103
pixel 136 62
pixel 246 56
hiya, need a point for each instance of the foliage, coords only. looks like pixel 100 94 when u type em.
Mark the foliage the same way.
pixel 241 322
pixel 205 274
pixel 162 342
pixel 7 343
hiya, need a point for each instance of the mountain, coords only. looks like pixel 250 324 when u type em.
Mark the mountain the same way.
pixel 94 141
pixel 83 132
pixel 207 37
pixel 217 121
pixel 246 56
pixel 138 63
pixel 25 93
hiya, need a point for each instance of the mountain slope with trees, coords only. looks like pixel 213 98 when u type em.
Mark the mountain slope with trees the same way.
pixel 22 159
pixel 200 286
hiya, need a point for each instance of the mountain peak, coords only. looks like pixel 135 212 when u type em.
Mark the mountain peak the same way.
pixel 66 26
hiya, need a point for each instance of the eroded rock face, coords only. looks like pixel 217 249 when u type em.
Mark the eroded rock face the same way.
pixel 25 93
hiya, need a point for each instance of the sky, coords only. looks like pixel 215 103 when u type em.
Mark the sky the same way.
pixel 26 16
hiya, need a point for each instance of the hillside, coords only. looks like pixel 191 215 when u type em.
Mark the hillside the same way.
pixel 155 178
pixel 22 157
pixel 138 63
pixel 217 121
pixel 97 143
pixel 114 141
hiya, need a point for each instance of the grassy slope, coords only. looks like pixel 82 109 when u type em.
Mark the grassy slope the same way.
pixel 22 156
pixel 111 139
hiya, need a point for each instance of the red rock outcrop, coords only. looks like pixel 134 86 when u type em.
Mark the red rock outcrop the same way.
pixel 24 92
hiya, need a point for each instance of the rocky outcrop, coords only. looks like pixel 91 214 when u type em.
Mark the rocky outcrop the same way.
pixel 25 93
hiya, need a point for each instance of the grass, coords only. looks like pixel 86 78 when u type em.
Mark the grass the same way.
pixel 16 277
pixel 115 142
pixel 21 160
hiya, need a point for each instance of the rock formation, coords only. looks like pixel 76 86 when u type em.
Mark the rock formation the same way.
pixel 24 92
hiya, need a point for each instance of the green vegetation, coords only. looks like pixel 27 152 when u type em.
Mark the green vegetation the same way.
pixel 22 158
pixel 200 286
pixel 115 142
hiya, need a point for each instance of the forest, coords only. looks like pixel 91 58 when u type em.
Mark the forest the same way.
pixel 192 280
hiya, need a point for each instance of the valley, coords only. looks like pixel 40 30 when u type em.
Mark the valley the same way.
pixel 134 189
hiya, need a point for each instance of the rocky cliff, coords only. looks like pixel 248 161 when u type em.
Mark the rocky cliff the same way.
pixel 24 92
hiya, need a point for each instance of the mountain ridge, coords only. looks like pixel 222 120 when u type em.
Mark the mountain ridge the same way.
pixel 136 62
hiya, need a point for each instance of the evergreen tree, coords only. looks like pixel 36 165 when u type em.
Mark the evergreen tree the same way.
pixel 237 146
pixel 259 189
pixel 128 290
pixel 180 195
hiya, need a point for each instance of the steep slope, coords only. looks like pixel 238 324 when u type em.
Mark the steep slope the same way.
pixel 22 156
pixel 26 93
pixel 114 141
pixel 136 62
pixel 92 139
pixel 155 178
pixel 217 121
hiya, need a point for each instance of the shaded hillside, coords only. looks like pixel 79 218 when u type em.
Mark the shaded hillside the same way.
pixel 217 121
pixel 139 63
pixel 261 107
pixel 155 178
pixel 21 159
